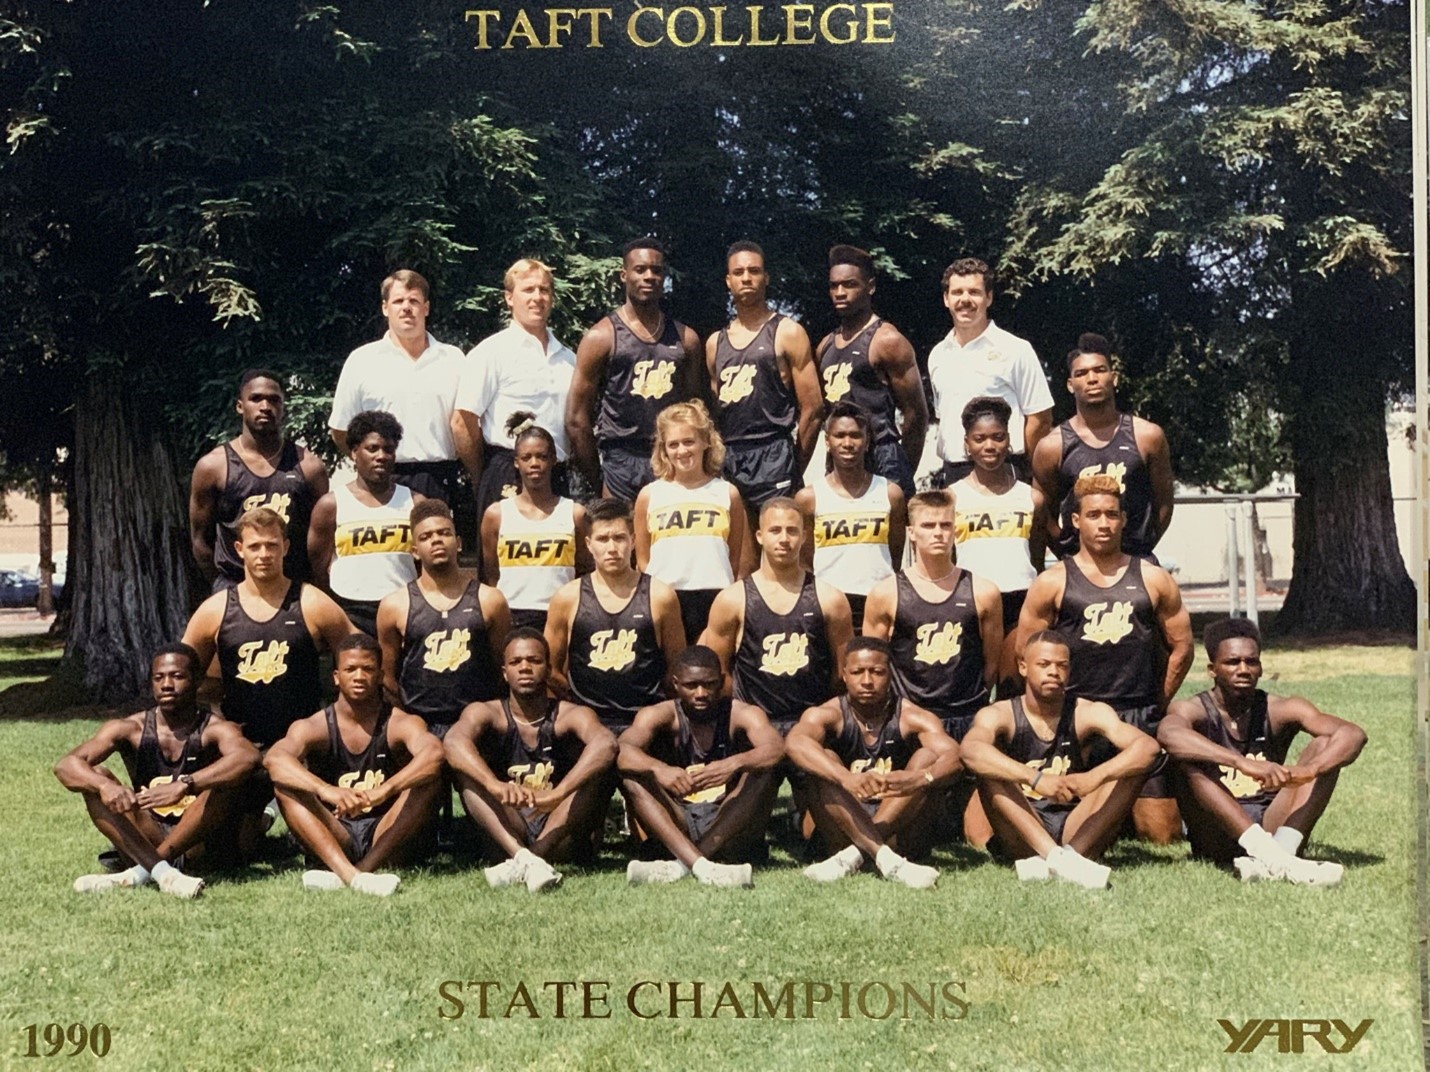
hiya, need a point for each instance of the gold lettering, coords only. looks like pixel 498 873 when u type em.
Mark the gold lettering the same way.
pixel 483 18
pixel 852 26
pixel 595 14
pixel 522 26
pixel 259 665
pixel 699 27
pixel 636 39
pixel 718 37
pixel 1107 623
pixel 556 27
pixel 755 11
pixel 883 20
pixel 805 15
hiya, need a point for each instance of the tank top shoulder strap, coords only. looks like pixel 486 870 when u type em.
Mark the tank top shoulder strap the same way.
pixel 335 739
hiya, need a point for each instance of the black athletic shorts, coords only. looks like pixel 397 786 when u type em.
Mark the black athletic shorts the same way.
pixel 535 820
pixel 528 618
pixel 763 471
pixel 625 470
pixel 958 720
pixel 1146 719
pixel 1052 818
pixel 1012 607
pixel 856 610
pixel 500 479
pixel 891 463
pixel 695 610
pixel 361 612
pixel 699 818
pixel 361 830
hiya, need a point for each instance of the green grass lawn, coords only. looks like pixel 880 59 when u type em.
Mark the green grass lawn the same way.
pixel 259 974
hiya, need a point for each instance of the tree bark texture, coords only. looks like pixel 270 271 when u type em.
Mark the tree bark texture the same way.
pixel 129 561
pixel 45 602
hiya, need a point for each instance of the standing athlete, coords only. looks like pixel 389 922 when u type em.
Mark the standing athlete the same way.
pixel 441 634
pixel 629 367
pixel 613 633
pixel 1242 802
pixel 1098 438
pixel 1130 635
pixel 260 466
pixel 867 361
pixel 766 388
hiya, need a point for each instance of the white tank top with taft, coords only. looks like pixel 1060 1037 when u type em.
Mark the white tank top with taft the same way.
pixel 372 545
pixel 689 534
pixel 851 536
pixel 535 557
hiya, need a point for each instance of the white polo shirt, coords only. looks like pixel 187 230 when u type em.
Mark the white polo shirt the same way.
pixel 511 372
pixel 421 394
pixel 996 363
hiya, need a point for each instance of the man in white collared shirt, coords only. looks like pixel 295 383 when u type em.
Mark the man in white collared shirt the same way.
pixel 522 368
pixel 979 358
pixel 414 377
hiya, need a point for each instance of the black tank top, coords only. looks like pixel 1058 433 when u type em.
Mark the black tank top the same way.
pixel 1114 639
pixel 688 751
pixel 367 769
pixel 889 752
pixel 285 492
pixel 938 648
pixel 616 664
pixel 151 767
pixel 446 658
pixel 754 404
pixel 783 664
pixel 535 768
pixel 640 380
pixel 847 374
pixel 1120 458
pixel 270 669
pixel 1259 744
pixel 1061 755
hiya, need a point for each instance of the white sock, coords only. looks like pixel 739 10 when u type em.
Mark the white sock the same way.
pixel 138 876
pixel 1258 843
pixel 1289 838
pixel 886 859
pixel 850 855
pixel 701 868
pixel 526 856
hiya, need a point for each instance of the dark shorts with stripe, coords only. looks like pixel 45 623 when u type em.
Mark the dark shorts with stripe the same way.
pixel 958 720
pixel 625 469
pixel 891 463
pixel 1053 819
pixel 699 818
pixel 362 829
pixel 763 471
pixel 1146 719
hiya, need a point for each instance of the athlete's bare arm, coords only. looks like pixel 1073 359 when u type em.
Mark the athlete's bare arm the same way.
pixel 491 530
pixel 391 630
pixel 237 759
pixel 1040 608
pixel 947 764
pixel 1047 483
pixel 740 537
pixel 898 523
pixel 792 347
pixel 767 747
pixel 598 753
pixel 989 603
pixel 635 741
pixel 724 626
pixel 497 615
pixel 1038 532
pixel 465 758
pixel 883 604
pixel 710 374
pixel 1175 624
pixel 201 633
pixel 1036 426
pixel 1136 752
pixel 893 356
pixel 669 628
pixel 838 625
pixel 80 770
pixel 467 442
pixel 286 766
pixel 1181 735
pixel 327 622
pixel 584 562
pixel 805 747
pixel 804 499
pixel 1152 444
pixel 204 490
pixel 559 613
pixel 592 354
pixel 1343 740
pixel 322 528
pixel 640 517
pixel 980 750
pixel 425 763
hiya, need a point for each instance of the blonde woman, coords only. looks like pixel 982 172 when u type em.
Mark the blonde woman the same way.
pixel 690 524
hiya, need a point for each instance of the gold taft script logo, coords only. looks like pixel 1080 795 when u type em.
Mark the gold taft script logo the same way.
pixel 651 26
pixel 362 782
pixel 836 381
pixel 653 379
pixel 877 766
pixel 1056 766
pixel 280 504
pixel 259 664
pixel 535 776
pixel 174 810
pixel 611 650
pixel 1107 623
pixel 1116 469
pixel 703 796
pixel 785 654
pixel 938 643
pixel 1239 784
pixel 736 383
pixel 447 650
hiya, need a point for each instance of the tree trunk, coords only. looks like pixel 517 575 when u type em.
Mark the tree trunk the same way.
pixel 45 602
pixel 1347 572
pixel 130 561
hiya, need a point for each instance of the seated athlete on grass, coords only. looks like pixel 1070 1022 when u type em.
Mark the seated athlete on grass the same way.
pixel 877 765
pixel 699 773
pixel 1242 802
pixel 185 763
pixel 1050 811
pixel 357 781
pixel 534 773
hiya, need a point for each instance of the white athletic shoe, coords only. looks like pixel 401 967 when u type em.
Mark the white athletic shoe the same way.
pixel 1032 869
pixel 379 885
pixel 1253 870
pixel 541 876
pixel 833 869
pixel 1070 866
pixel 321 880
pixel 177 884
pixel 654 872
pixel 915 876
pixel 1312 873
pixel 505 874
pixel 741 875
pixel 103 883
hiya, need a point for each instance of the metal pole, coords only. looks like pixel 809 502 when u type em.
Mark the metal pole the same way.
pixel 1231 558
pixel 1248 559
